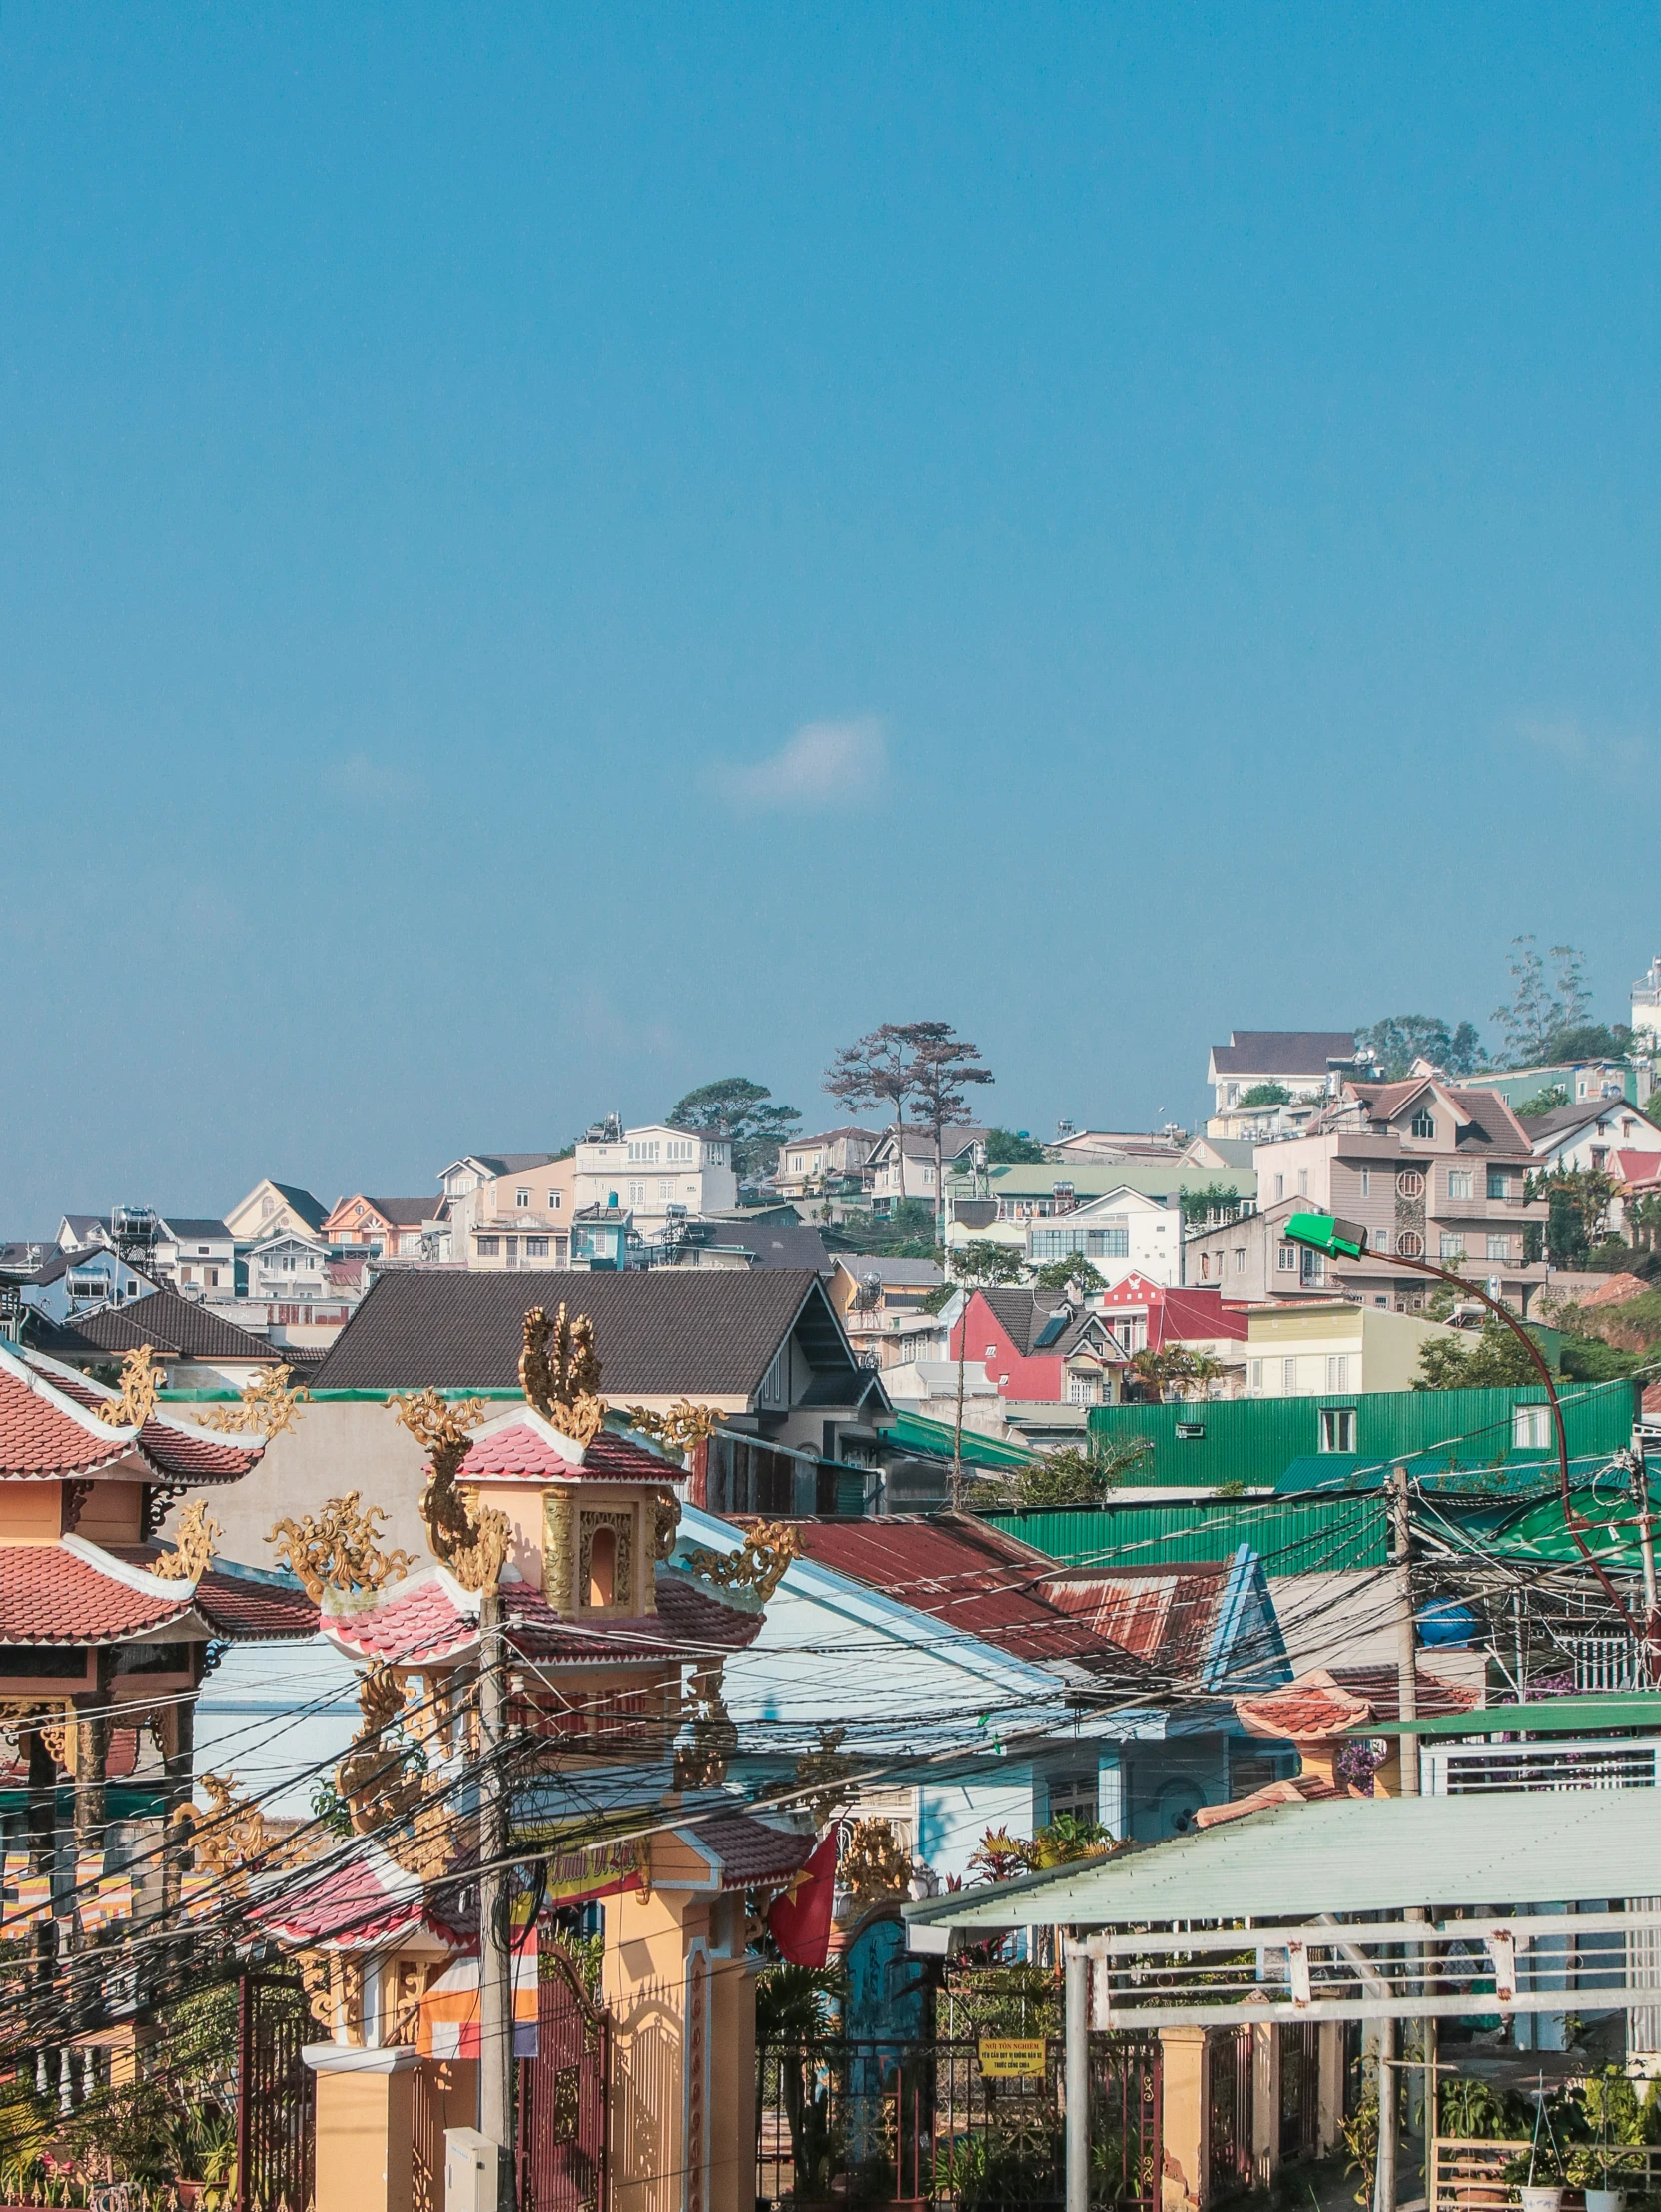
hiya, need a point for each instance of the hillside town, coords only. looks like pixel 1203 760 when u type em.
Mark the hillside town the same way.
pixel 903 1661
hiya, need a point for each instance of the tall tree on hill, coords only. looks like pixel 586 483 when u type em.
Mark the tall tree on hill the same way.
pixel 740 1109
pixel 1542 1008
pixel 1398 1039
pixel 921 1064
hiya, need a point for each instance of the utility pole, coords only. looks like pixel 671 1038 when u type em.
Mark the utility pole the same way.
pixel 496 1990
pixel 1075 2062
pixel 1646 1549
pixel 1407 1656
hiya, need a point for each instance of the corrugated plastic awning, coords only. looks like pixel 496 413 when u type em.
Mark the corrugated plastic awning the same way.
pixel 1548 1717
pixel 1352 1854
pixel 915 1432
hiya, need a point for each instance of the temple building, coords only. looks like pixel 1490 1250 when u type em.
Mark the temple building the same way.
pixel 104 1635
pixel 560 1523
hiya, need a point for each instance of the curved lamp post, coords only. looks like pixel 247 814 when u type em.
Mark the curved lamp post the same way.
pixel 1322 1232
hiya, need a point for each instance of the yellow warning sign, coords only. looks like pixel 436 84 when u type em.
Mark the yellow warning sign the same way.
pixel 1006 2057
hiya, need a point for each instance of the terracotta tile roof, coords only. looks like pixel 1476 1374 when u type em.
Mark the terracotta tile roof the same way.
pixel 1293 1790
pixel 524 1447
pixel 40 1436
pixel 58 1594
pixel 176 1450
pixel 239 1607
pixel 1330 1699
pixel 431 1618
pixel 1635 1166
pixel 357 1904
pixel 752 1853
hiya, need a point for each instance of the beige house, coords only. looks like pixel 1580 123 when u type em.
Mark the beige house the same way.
pixel 901 1163
pixel 808 1164
pixel 654 1174
pixel 276 1210
pixel 1432 1170
pixel 1322 1346
pixel 510 1211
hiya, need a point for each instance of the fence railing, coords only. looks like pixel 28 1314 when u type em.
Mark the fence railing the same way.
pixel 1579 1763
pixel 1467 2174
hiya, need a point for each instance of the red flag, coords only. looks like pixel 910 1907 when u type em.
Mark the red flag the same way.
pixel 800 1916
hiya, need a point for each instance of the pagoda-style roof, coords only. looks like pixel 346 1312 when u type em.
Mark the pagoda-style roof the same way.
pixel 367 1902
pixel 432 1619
pixel 50 1431
pixel 72 1592
pixel 524 1446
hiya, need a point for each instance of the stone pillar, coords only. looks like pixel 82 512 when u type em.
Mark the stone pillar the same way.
pixel 1266 2105
pixel 732 2079
pixel 1185 2120
pixel 1331 2124
pixel 364 2127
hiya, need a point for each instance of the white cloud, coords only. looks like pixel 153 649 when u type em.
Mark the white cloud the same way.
pixel 1577 743
pixel 823 764
pixel 359 776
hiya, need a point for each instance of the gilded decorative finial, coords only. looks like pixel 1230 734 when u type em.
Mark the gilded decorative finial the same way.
pixel 141 1378
pixel 759 1564
pixel 340 1548
pixel 193 1546
pixel 471 1540
pixel 266 1408
pixel 682 1429
pixel 559 1373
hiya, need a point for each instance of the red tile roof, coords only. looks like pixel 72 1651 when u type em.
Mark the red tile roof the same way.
pixel 40 1437
pixel 523 1448
pixel 1330 1699
pixel 176 1450
pixel 238 1606
pixel 431 1619
pixel 60 1593
pixel 362 1902
pixel 752 1853
pixel 1176 1315
pixel 1636 1167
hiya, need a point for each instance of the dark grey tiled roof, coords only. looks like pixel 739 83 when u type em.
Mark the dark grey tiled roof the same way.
pixel 1023 1314
pixel 186 1230
pixel 1282 1052
pixel 165 1321
pixel 657 1330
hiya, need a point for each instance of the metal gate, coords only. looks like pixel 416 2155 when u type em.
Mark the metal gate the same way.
pixel 1299 2089
pixel 565 2099
pixel 276 2096
pixel 886 2121
pixel 1228 2071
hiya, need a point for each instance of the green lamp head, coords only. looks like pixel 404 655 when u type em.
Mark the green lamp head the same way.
pixel 1323 1233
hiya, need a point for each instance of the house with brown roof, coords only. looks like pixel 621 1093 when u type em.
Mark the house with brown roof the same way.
pixel 1431 1169
pixel 195 1347
pixel 1040 1347
pixel 901 1163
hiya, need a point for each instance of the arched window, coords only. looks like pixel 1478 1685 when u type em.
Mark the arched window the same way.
pixel 602 1567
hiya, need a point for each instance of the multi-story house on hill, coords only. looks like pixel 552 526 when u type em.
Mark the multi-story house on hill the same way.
pixel 273 1209
pixel 836 1159
pixel 654 1174
pixel 1309 1065
pixel 511 1210
pixel 398 1229
pixel 901 1164
pixel 1432 1170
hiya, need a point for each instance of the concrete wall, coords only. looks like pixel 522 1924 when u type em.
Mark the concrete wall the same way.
pixel 333 1448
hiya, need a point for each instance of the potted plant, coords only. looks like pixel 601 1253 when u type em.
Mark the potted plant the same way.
pixel 1539 2177
pixel 1595 2167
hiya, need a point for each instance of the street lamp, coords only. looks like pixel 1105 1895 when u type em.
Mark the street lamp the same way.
pixel 1323 1232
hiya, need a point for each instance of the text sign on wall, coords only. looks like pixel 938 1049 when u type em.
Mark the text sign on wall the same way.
pixel 1007 2056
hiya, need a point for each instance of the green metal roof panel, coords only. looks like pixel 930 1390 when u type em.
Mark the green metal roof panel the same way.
pixel 915 1432
pixel 1547 1717
pixel 1338 1532
pixel 1356 1855
pixel 1256 1440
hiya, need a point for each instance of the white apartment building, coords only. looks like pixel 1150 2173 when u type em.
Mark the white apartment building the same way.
pixel 654 1174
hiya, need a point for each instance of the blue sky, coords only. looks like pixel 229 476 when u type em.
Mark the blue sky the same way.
pixel 548 555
